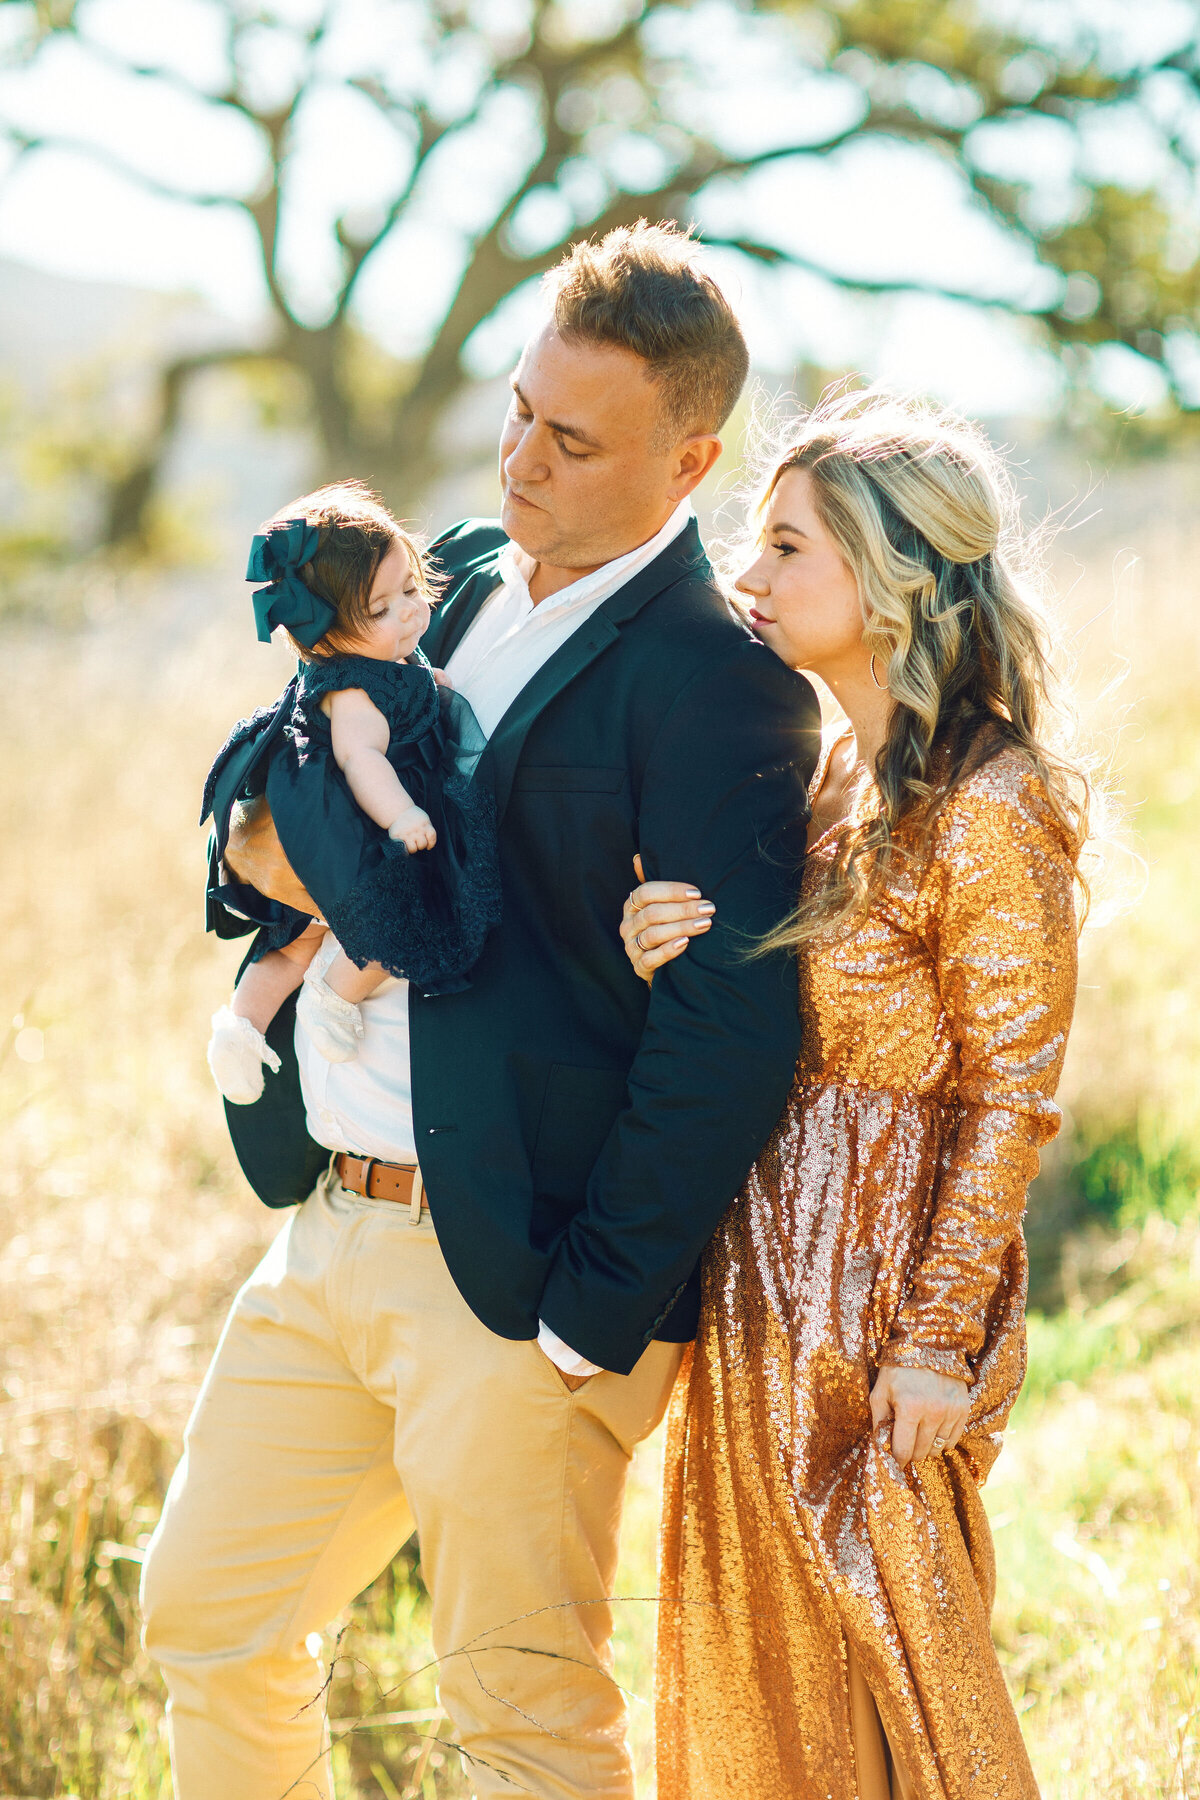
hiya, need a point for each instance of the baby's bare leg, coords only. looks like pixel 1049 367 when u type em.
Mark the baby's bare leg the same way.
pixel 267 983
pixel 351 982
pixel 238 1050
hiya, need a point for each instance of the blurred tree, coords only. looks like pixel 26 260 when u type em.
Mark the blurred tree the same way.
pixel 511 126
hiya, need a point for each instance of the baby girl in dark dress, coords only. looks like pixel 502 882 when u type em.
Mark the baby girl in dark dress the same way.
pixel 367 762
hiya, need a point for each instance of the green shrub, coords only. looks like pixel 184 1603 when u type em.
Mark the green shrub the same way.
pixel 1126 1176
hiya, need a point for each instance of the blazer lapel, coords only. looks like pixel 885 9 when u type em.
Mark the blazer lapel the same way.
pixel 684 556
pixel 570 659
pixel 584 645
pixel 455 616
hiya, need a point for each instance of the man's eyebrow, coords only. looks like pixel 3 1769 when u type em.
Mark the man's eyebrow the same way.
pixel 571 431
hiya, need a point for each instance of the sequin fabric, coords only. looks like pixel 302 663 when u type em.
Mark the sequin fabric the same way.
pixel 882 1223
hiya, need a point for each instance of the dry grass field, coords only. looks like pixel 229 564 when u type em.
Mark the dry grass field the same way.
pixel 125 1228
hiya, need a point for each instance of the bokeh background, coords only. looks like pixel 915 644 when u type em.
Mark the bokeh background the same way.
pixel 244 247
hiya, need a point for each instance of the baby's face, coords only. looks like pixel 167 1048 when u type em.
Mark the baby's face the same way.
pixel 399 611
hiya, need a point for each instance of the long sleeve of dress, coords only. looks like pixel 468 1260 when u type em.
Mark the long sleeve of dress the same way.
pixel 998 908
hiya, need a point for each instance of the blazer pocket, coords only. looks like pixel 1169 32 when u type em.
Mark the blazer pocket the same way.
pixel 550 780
pixel 579 1110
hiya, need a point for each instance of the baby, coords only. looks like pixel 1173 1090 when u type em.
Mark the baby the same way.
pixel 367 763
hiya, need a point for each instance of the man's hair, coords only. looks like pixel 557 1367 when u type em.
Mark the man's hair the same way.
pixel 641 289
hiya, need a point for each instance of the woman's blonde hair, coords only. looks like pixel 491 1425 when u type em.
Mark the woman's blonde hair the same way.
pixel 924 513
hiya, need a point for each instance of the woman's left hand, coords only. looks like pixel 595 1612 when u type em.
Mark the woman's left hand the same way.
pixel 659 919
pixel 928 1410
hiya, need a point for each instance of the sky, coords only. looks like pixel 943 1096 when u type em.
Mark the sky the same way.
pixel 876 210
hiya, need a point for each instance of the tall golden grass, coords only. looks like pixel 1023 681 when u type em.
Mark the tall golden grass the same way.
pixel 126 1228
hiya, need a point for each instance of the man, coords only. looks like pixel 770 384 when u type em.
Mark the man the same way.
pixel 480 1309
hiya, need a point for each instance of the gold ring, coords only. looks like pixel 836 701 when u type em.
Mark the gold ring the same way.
pixel 637 938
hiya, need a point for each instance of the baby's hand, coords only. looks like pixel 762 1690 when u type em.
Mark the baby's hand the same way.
pixel 442 679
pixel 414 829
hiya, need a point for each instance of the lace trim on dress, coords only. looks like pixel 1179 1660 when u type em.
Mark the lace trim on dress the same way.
pixel 405 693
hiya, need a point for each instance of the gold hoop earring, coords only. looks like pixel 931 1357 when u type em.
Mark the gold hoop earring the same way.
pixel 882 685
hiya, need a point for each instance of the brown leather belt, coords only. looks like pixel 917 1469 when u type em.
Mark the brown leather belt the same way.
pixel 376 1180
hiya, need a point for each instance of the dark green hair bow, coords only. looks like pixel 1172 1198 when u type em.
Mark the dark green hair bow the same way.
pixel 277 556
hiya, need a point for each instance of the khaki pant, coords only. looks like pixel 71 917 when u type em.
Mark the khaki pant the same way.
pixel 353 1396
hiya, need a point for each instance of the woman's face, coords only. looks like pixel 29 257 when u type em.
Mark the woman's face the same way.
pixel 805 604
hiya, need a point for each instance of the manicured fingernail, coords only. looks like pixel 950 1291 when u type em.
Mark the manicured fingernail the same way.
pixel 679 944
pixel 699 925
pixel 692 893
pixel 706 906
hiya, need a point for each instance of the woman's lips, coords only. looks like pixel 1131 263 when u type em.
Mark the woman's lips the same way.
pixel 760 618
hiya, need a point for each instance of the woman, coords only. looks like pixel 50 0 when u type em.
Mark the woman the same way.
pixel 827 1565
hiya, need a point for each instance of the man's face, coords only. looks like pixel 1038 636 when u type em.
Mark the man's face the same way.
pixel 584 476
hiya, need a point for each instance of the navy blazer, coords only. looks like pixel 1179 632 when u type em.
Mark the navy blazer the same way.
pixel 580 1134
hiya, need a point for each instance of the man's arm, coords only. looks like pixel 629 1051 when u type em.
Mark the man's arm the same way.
pixel 255 856
pixel 724 805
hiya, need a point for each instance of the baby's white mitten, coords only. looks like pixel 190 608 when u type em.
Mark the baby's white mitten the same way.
pixel 334 1025
pixel 236 1054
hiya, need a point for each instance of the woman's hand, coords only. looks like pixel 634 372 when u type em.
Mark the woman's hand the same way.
pixel 928 1411
pixel 659 919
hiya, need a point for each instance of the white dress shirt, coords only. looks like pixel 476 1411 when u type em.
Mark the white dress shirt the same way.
pixel 365 1106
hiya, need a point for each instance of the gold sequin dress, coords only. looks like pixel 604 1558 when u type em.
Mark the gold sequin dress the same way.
pixel 882 1223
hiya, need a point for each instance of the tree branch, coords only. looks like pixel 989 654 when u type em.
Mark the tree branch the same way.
pixel 358 253
pixel 264 210
pixel 490 276
pixel 154 72
pixel 97 153
pixel 568 63
pixel 20 147
pixel 129 497
pixel 772 255
pixel 554 69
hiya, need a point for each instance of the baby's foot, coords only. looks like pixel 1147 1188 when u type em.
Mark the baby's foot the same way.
pixel 413 829
pixel 236 1054
pixel 334 1025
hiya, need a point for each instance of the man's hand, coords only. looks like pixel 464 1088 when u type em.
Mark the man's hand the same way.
pixel 256 857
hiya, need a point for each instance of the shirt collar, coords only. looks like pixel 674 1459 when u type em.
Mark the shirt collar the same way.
pixel 516 567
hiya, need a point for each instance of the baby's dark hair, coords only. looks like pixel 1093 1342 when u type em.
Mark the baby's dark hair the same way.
pixel 357 531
